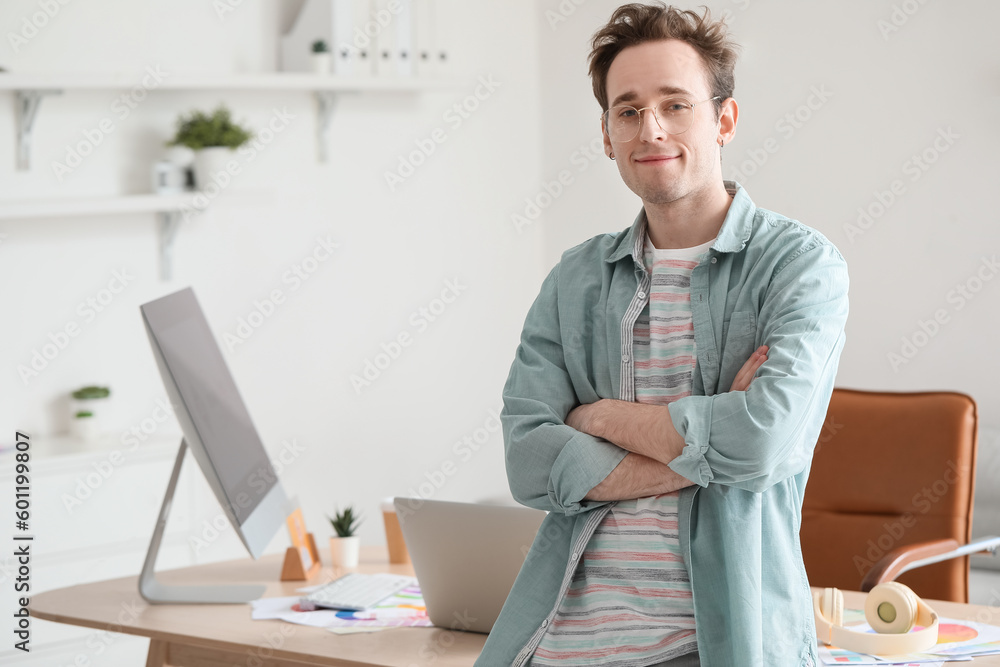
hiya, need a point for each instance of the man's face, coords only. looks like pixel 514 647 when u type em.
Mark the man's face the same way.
pixel 663 168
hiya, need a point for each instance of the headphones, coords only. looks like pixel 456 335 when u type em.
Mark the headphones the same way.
pixel 892 609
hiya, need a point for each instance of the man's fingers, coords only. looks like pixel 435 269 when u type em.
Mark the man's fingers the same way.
pixel 746 373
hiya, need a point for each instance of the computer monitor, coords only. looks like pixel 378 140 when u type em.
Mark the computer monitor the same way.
pixel 218 429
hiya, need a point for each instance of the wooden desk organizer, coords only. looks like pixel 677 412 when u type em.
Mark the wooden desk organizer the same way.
pixel 294 569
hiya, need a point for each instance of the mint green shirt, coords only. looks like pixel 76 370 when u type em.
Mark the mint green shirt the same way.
pixel 767 279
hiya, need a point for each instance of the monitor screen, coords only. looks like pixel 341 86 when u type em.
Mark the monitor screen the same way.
pixel 215 421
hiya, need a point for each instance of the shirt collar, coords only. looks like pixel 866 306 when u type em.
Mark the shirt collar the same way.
pixel 733 235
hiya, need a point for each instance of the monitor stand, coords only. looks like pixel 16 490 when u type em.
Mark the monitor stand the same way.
pixel 155 592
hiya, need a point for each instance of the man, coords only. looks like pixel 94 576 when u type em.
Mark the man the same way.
pixel 670 385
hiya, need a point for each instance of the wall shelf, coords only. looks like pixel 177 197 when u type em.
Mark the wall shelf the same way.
pixel 51 207
pixel 267 81
pixel 30 89
pixel 169 210
pixel 62 451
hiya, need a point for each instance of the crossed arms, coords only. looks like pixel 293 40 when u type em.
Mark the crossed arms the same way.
pixel 647 432
pixel 567 449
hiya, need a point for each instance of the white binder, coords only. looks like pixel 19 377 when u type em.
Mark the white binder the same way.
pixel 403 24
pixel 390 38
pixel 343 48
pixel 425 34
pixel 364 36
pixel 385 19
pixel 433 33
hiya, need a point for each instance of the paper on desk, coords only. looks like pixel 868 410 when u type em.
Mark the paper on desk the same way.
pixel 957 641
pixel 354 630
pixel 837 656
pixel 957 637
pixel 405 609
pixel 987 648
pixel 270 608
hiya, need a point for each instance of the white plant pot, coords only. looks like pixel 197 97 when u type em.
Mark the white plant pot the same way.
pixel 321 63
pixel 344 551
pixel 210 173
pixel 87 429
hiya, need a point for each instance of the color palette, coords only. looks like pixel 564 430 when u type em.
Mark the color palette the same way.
pixel 954 632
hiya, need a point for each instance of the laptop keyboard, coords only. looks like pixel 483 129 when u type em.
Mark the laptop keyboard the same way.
pixel 355 591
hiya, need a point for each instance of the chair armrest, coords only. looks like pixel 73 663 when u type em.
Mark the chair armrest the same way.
pixel 893 563
pixel 920 554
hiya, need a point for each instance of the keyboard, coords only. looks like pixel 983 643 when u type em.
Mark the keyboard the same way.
pixel 355 591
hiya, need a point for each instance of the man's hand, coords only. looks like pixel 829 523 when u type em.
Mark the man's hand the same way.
pixel 743 379
pixel 581 417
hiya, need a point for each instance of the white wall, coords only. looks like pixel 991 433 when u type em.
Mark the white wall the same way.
pixel 397 249
pixel 891 90
pixel 453 218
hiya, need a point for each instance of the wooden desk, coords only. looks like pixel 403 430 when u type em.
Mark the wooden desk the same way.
pixel 203 635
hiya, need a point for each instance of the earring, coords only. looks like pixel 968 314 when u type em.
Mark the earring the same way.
pixel 722 142
pixel 611 155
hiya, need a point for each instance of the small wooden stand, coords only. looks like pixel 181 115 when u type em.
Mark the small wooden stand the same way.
pixel 294 569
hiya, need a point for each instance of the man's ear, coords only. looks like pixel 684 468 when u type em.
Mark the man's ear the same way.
pixel 728 115
pixel 607 139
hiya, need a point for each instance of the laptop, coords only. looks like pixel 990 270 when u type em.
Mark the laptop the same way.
pixel 466 556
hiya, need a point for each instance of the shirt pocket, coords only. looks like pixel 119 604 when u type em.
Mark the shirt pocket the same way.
pixel 739 339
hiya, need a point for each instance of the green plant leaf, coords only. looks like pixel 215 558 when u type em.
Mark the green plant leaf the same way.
pixel 201 130
pixel 89 392
pixel 345 523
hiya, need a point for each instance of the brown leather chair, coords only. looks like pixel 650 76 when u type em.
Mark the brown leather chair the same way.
pixel 891 471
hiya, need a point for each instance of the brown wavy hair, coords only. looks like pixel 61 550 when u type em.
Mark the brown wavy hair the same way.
pixel 635 23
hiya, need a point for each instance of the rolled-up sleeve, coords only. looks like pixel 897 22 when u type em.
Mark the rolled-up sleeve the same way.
pixel 752 439
pixel 550 466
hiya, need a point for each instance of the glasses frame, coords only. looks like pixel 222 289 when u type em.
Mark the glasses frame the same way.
pixel 656 117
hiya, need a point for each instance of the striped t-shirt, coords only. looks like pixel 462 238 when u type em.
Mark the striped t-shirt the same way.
pixel 629 604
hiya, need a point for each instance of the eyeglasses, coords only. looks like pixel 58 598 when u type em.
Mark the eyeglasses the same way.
pixel 673 115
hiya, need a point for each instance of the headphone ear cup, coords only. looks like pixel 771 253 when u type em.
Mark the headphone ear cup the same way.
pixel 832 605
pixel 891 608
pixel 838 607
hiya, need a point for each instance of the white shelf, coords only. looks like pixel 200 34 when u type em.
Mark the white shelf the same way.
pixel 267 81
pixel 52 207
pixel 30 89
pixel 62 450
pixel 169 210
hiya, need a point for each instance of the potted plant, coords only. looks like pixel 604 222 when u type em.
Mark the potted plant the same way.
pixel 345 546
pixel 86 422
pixel 214 138
pixel 320 57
